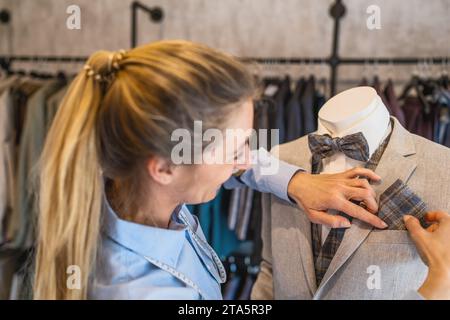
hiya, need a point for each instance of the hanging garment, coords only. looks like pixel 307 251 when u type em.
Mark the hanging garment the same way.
pixel 442 100
pixel 247 287
pixel 244 214
pixel 307 107
pixel 264 108
pixel 255 230
pixel 319 101
pixel 21 92
pixel 52 105
pixel 278 93
pixel 393 104
pixel 281 98
pixel 294 123
pixel 7 163
pixel 446 139
pixel 419 120
pixel 231 288
pixel 9 263
pixel 31 145
pixel 233 208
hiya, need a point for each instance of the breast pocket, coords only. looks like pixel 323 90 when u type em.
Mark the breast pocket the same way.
pixel 385 266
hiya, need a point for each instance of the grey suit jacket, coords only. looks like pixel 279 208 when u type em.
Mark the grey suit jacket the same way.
pixel 287 270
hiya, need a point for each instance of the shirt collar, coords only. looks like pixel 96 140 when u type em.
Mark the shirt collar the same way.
pixel 164 245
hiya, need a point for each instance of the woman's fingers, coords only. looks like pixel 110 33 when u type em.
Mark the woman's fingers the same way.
pixel 365 195
pixel 433 227
pixel 418 235
pixel 361 172
pixel 360 213
pixel 363 184
pixel 332 221
pixel 413 226
pixel 435 216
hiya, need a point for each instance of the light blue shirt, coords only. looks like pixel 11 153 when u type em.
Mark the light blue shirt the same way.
pixel 142 262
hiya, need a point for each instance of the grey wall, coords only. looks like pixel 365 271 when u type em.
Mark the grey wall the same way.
pixel 297 28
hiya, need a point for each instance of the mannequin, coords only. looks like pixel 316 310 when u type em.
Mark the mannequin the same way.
pixel 415 178
pixel 355 110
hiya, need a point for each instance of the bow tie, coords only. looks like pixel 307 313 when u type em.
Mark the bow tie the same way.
pixel 323 146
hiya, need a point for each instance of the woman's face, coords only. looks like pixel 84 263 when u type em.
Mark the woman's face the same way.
pixel 200 183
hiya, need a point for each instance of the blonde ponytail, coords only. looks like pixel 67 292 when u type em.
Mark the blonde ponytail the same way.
pixel 70 191
pixel 120 110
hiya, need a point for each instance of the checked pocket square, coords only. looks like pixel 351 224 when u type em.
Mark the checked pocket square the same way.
pixel 397 201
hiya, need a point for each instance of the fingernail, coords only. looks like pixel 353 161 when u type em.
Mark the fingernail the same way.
pixel 346 224
pixel 376 182
pixel 383 224
pixel 406 217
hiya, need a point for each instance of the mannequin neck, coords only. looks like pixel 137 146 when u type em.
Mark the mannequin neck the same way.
pixel 372 121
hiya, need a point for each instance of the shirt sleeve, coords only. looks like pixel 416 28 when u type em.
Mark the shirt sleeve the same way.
pixel 267 174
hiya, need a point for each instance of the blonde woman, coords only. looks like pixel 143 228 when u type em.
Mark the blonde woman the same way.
pixel 111 198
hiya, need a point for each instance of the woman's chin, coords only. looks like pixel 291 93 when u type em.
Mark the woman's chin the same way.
pixel 206 197
pixel 211 195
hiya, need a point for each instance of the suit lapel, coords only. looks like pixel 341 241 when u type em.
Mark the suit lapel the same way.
pixel 394 164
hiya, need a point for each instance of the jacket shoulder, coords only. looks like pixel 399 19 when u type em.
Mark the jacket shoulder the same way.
pixel 293 152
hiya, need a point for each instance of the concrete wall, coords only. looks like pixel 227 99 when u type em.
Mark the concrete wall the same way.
pixel 264 28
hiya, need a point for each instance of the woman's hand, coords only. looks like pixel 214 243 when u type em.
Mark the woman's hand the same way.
pixel 317 193
pixel 433 245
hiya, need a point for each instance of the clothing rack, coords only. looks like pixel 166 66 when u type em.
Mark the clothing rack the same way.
pixel 337 12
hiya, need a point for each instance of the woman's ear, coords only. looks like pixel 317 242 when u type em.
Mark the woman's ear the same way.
pixel 160 170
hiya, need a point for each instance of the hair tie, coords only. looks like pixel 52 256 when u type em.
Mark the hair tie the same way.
pixel 110 61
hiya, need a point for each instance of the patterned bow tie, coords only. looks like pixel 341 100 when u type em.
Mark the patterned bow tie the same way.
pixel 323 146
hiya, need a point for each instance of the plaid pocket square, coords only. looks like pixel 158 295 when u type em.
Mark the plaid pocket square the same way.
pixel 397 201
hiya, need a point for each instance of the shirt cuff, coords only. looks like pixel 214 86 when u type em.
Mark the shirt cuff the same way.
pixel 268 174
pixel 278 184
pixel 276 181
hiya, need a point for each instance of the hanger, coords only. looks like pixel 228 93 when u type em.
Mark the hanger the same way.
pixel 321 81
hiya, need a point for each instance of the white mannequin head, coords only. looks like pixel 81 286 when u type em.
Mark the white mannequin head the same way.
pixel 355 110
